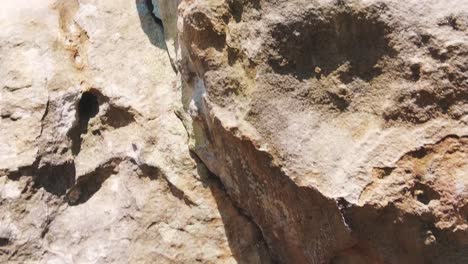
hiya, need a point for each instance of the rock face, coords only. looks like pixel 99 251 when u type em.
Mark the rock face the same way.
pixel 244 131
pixel 340 127
pixel 94 164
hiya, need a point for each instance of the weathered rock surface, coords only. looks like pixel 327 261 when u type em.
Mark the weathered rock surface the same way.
pixel 319 131
pixel 340 127
pixel 94 164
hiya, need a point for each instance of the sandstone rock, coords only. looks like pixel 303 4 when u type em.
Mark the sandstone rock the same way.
pixel 94 166
pixel 234 131
pixel 339 126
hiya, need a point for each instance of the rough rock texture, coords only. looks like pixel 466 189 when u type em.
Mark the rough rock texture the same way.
pixel 244 131
pixel 94 164
pixel 340 127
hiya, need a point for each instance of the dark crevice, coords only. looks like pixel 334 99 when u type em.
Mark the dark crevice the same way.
pixel 153 27
pixel 421 152
pixel 153 173
pixel 415 71
pixel 424 193
pixel 178 193
pixel 87 185
pixel 454 22
pixel 56 178
pixel 214 183
pixel 46 228
pixel 4 241
pixel 156 19
pixel 46 112
pixel 88 107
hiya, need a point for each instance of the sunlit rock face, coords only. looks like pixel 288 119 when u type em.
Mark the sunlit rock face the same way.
pixel 94 163
pixel 234 131
pixel 340 127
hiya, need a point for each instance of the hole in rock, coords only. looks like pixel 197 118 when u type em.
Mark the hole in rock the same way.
pixel 424 193
pixel 415 72
pixel 88 106
pixel 328 41
pixel 56 179
pixel 4 241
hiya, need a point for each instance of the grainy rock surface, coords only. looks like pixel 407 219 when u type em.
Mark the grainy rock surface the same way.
pixel 94 164
pixel 244 131
pixel 340 127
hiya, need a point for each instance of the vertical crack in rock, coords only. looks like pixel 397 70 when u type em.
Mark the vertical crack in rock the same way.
pixel 299 223
pixel 158 24
pixel 88 107
pixel 268 257
pixel 179 193
pixel 157 20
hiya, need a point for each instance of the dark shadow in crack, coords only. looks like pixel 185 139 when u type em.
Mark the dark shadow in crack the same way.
pixel 151 25
pixel 88 108
pixel 87 185
pixel 153 173
pixel 245 238
pixel 56 179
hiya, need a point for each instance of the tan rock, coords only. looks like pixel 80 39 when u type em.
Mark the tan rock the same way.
pixel 233 131
pixel 93 159
pixel 338 126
